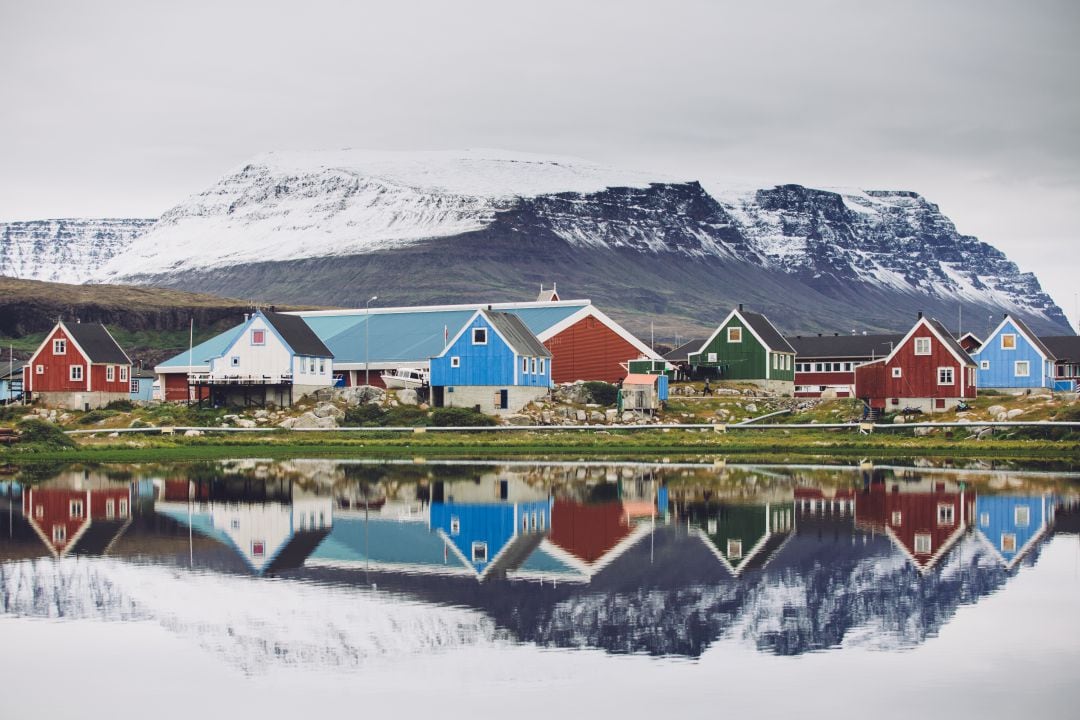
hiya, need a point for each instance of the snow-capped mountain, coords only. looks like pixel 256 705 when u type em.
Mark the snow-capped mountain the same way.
pixel 67 251
pixel 336 227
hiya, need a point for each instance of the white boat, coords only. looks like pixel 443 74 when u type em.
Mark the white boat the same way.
pixel 405 378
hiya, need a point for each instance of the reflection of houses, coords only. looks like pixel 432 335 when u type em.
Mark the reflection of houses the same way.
pixel 924 519
pixel 274 533
pixel 1013 524
pixel 742 537
pixel 77 514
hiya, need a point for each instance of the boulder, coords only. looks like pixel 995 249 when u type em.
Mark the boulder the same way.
pixel 407 396
pixel 596 417
pixel 899 419
pixel 325 410
pixel 580 416
pixel 627 416
pixel 921 431
pixel 547 417
pixel 113 435
pixel 326 422
pixel 1014 413
pixel 518 419
pixel 611 415
pixel 245 423
pixel 1001 416
pixel 287 423
pixel 193 433
pixel 260 414
pixel 308 420
pixel 985 433
pixel 995 410
pixel 750 408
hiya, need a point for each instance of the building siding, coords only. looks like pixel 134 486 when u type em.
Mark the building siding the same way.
pixel 589 350
pixel 1001 372
pixel 494 364
pixel 874 382
pixel 745 360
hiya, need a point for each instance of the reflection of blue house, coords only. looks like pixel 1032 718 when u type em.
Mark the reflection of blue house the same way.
pixel 1014 357
pixel 1013 524
pixel 494 362
pixel 489 536
pixel 386 544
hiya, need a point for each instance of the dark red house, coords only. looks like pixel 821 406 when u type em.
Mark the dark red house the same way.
pixel 927 370
pixel 70 518
pixel 923 518
pixel 78 367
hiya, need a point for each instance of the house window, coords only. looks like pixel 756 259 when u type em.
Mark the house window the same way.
pixel 123 373
pixel 479 337
pixel 59 347
pixel 939 403
pixel 455 361
pixel 734 334
pixel 897 518
pixel 984 364
pixel 712 357
pixel 123 507
pixel 984 519
pixel 455 525
pixel 897 372
pixel 734 549
pixel 234 361
pixel 1008 341
pixel 524 523
pixel 311 366
pixel 946 514
pixel 59 533
pixel 817 367
pixel 542 363
pixel 787 362
pixel 75 372
pixel 75 508
pixel 110 373
pixel 775 362
pixel 1022 368
pixel 322 367
pixel 525 365
pixel 1022 516
pixel 235 524
pixel 534 366
pixel 922 544
pixel 922 346
pixel 110 508
pixel 258 548
pixel 1008 542
pixel 39 512
pixel 479 552
pixel 39 370
pixel 543 520
pixel 535 520
pixel 258 337
pixel 945 376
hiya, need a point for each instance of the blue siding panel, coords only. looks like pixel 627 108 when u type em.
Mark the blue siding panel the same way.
pixel 996 517
pixel 495 524
pixel 1001 370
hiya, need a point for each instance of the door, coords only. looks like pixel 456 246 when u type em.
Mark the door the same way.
pixel 504 399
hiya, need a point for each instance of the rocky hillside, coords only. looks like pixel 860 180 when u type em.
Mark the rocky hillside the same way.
pixel 67 251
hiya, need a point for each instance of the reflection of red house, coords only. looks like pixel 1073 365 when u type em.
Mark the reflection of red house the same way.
pixel 924 521
pixel 62 517
pixel 588 536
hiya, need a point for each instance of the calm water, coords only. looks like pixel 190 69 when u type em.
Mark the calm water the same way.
pixel 285 589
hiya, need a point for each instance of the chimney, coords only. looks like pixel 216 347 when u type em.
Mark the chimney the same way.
pixel 740 307
pixel 920 314
pixel 836 334
pixel 819 334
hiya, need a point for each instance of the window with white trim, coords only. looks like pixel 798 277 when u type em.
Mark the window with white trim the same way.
pixel 59 347
pixel 455 361
pixel 123 373
pixel 775 361
pixel 75 508
pixel 534 366
pixel 542 363
pixel 712 357
pixel 1022 516
pixel 945 376
pixel 134 386
pixel 123 507
pixel 1008 341
pixel 525 365
pixel 75 373
pixel 1008 542
pixel 59 533
pixel 734 334
pixel 946 514
pixel 258 337
pixel 39 370
pixel 922 346
pixel 322 367
pixel 923 544
pixel 455 525
pixel 1022 368
pixel 734 549
pixel 234 361
pixel 479 552
pixel 897 372
pixel 311 366
pixel 984 364
pixel 479 337
pixel 896 519
pixel 110 509
pixel 258 548
pixel 110 373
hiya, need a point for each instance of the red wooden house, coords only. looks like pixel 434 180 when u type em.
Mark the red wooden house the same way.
pixel 825 365
pixel 927 370
pixel 78 367
pixel 924 519
pixel 68 517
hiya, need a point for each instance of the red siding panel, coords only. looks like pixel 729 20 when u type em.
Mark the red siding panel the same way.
pixel 589 350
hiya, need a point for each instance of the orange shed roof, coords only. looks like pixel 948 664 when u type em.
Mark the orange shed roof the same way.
pixel 640 379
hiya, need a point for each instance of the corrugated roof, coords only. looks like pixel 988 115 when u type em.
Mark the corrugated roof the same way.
pixel 1064 347
pixel 844 346
pixel 298 335
pixel 640 379
pixel 97 343
pixel 516 334
pixel 951 341
pixel 1046 352
pixel 765 330
pixel 680 353
pixel 204 352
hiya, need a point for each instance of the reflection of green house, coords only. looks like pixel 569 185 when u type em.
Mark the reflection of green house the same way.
pixel 747 347
pixel 743 537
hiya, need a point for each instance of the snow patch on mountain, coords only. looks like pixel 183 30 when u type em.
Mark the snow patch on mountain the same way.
pixel 66 250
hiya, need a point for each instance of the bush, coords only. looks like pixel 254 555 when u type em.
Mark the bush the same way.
pixel 39 432
pixel 12 412
pixel 601 393
pixel 368 415
pixel 405 415
pixel 95 416
pixel 460 417
pixel 120 406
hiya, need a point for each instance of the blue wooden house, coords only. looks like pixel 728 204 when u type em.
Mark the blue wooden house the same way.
pixel 494 363
pixel 1014 358
pixel 1013 524
pixel 11 382
pixel 142 385
pixel 493 535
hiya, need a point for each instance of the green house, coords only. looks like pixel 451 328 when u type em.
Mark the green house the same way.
pixel 747 347
pixel 743 537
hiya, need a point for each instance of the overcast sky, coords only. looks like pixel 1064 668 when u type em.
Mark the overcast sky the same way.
pixel 124 108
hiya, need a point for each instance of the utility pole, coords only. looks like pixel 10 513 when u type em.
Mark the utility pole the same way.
pixel 367 334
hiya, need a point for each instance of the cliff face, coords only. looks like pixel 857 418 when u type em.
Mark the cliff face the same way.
pixel 67 251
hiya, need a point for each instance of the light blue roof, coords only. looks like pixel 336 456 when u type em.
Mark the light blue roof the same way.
pixel 542 561
pixel 384 541
pixel 204 352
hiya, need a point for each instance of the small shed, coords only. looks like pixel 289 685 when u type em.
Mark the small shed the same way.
pixel 650 366
pixel 643 392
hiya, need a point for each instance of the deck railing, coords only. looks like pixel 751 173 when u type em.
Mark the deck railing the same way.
pixel 239 379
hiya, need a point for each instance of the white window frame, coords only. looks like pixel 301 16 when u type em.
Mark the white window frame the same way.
pixel 76 509
pixel 1022 516
pixel 455 525
pixel 923 346
pixel 133 386
pixel 123 507
pixel 322 366
pixel 258 343
pixel 734 549
pixel 946 371
pixel 59 533
pixel 123 373
pixel 258 548
pixel 110 509
pixel 234 361
pixel 74 370
pixel 921 540
pixel 984 364
pixel 59 346
pixel 542 365
pixel 1027 368
pixel 455 361
pixel 984 519
pixel 110 373
pixel 477 333
pixel 478 549
pixel 711 357
pixel 1011 337
pixel 946 514
pixel 897 518
pixel 734 335
pixel 311 366
pixel 897 372
pixel 39 370
pixel 533 367
pixel 525 365
pixel 775 361
pixel 1008 542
